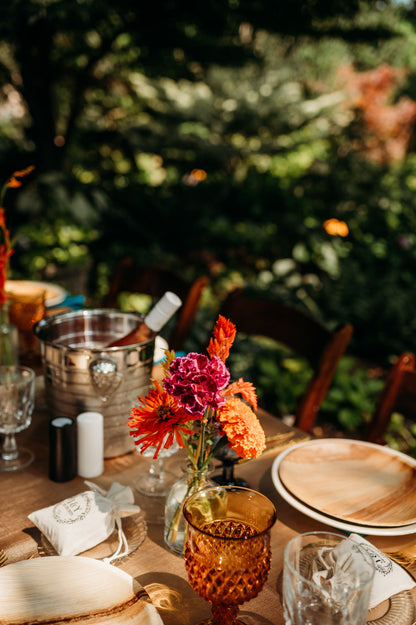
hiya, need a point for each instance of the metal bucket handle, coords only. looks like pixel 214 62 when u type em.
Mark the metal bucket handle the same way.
pixel 104 377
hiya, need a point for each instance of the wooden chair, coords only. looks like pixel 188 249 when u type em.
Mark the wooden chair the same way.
pixel 299 332
pixel 398 395
pixel 153 281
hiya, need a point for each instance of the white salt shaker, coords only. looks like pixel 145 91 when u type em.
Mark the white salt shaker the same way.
pixel 90 427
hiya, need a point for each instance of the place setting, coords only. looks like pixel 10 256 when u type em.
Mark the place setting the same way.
pixel 359 488
pixel 332 578
pixel 83 537
pixel 349 484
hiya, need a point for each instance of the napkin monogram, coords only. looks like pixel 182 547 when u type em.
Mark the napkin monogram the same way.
pixel 389 577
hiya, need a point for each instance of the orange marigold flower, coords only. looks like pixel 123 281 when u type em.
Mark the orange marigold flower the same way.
pixel 158 421
pixel 224 334
pixel 242 428
pixel 13 182
pixel 335 227
pixel 245 389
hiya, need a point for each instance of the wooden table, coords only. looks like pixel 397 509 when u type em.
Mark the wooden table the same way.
pixel 153 565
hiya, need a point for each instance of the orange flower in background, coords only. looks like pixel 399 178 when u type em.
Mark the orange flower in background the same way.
pixel 5 246
pixel 335 227
pixel 242 428
pixel 199 174
pixel 13 182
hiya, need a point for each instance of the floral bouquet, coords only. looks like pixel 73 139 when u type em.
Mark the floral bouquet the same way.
pixel 198 407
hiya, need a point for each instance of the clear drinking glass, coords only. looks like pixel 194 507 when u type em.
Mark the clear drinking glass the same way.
pixel 17 401
pixel 156 482
pixel 327 580
pixel 227 552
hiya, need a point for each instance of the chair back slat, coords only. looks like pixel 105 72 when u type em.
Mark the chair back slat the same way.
pixel 301 333
pixel 398 395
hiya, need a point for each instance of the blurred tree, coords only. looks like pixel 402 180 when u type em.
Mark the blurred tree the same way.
pixel 56 54
pixel 257 141
pixel 218 140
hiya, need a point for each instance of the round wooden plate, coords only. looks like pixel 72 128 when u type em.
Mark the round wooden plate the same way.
pixel 354 481
pixel 72 589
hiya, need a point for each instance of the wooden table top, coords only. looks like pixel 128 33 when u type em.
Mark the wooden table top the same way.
pixel 153 565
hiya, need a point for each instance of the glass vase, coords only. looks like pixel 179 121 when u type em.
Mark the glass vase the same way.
pixel 175 524
pixel 9 339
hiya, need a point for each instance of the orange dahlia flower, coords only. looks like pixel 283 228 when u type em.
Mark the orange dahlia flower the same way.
pixel 159 421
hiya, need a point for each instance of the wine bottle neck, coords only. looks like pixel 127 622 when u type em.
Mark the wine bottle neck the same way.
pixel 162 311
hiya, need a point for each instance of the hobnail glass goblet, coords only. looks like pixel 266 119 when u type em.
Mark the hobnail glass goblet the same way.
pixel 227 552
pixel 17 401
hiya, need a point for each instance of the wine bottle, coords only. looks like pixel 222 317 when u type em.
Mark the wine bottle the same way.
pixel 153 322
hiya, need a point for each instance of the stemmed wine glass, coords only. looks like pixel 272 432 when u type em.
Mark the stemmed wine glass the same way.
pixel 156 481
pixel 227 552
pixel 17 401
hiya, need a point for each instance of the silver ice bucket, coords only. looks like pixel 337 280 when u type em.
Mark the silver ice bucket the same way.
pixel 82 375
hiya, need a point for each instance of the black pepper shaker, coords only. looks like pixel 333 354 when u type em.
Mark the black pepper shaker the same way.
pixel 62 449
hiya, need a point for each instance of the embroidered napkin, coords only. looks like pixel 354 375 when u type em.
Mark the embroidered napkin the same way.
pixel 87 519
pixel 339 568
pixel 332 569
pixel 389 577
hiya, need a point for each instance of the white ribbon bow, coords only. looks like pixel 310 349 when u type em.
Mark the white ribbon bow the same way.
pixel 117 499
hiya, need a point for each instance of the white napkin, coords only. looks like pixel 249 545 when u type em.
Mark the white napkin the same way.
pixel 83 521
pixel 389 577
pixel 334 570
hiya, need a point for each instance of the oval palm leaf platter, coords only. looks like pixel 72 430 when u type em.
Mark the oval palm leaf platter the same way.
pixel 352 480
pixel 73 589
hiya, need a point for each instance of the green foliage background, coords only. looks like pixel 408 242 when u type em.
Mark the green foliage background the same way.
pixel 118 106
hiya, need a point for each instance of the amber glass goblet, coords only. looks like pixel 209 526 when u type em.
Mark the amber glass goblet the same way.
pixel 227 551
pixel 25 310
